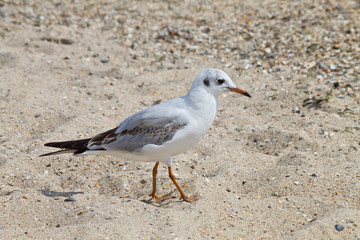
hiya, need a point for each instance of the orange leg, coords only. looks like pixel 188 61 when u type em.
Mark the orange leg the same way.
pixel 183 196
pixel 153 193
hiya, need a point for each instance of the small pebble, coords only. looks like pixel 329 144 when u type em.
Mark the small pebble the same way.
pixel 354 148
pixel 248 66
pixel 267 50
pixel 104 60
pixel 333 67
pixel 66 41
pixel 70 199
pixel 339 227
pixel 336 84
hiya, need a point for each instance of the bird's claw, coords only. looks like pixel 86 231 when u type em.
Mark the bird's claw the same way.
pixel 157 198
pixel 189 199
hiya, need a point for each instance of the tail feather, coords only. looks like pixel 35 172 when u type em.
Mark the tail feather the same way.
pixel 58 152
pixel 75 144
pixel 75 147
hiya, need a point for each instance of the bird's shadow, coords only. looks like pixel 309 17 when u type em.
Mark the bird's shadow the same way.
pixel 166 200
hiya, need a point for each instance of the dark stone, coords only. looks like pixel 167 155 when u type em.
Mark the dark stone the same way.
pixel 339 227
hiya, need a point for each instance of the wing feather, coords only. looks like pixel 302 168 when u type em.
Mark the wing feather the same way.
pixel 154 125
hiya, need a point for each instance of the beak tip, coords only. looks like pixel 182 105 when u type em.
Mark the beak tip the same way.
pixel 247 94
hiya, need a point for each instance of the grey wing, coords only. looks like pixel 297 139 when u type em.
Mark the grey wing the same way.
pixel 146 127
pixel 138 137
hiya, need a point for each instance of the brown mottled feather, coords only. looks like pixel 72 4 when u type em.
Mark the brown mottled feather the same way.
pixel 108 134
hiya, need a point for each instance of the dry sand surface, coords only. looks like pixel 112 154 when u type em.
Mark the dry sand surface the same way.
pixel 282 165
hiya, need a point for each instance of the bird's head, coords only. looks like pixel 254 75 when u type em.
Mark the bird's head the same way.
pixel 216 81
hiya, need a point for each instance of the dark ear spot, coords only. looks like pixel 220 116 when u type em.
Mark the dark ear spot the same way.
pixel 206 82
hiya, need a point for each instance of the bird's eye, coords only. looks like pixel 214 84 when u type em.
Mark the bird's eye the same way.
pixel 220 81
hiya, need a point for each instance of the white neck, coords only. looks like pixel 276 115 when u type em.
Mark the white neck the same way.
pixel 203 103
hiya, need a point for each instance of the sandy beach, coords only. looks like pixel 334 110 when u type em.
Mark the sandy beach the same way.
pixel 284 164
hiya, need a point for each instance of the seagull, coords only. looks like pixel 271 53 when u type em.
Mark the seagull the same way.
pixel 161 131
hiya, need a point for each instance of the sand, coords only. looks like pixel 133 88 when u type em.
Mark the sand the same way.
pixel 282 165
